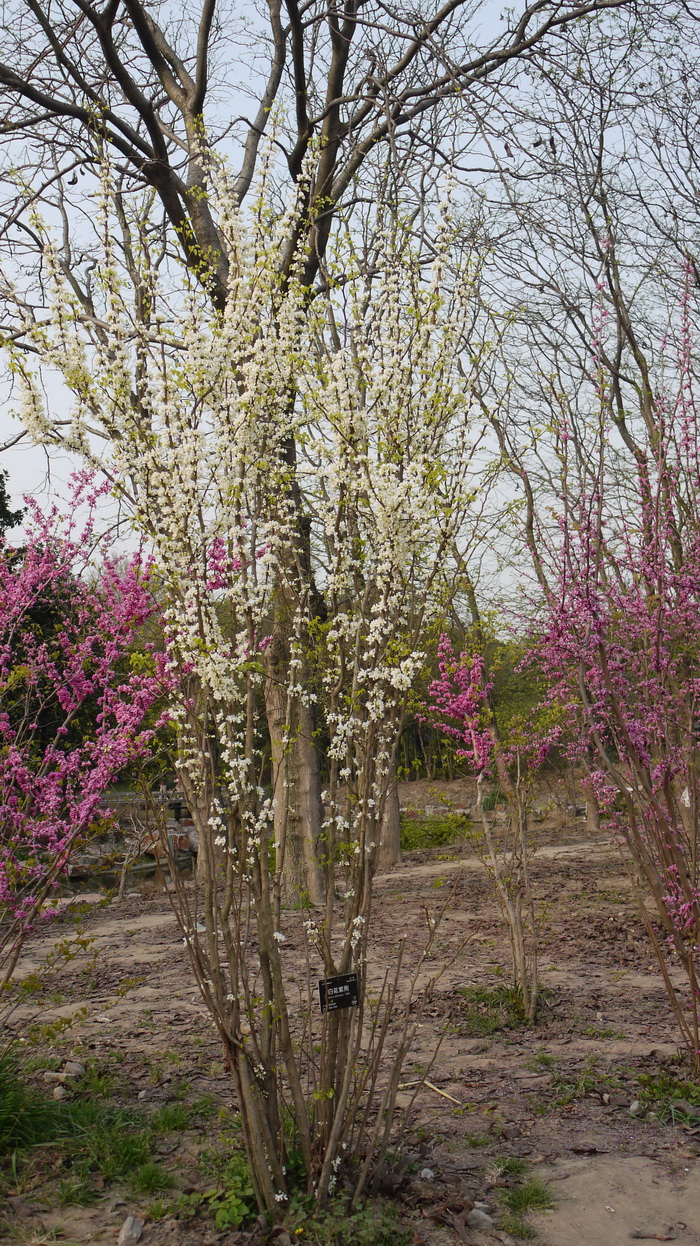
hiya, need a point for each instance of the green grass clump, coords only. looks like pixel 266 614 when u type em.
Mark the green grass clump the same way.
pixel 95 1084
pixel 75 1192
pixel 532 1195
pixel 172 1118
pixel 516 1227
pixel 489 1010
pixel 149 1178
pixel 510 1166
pixel 113 1150
pixel 542 1060
pixel 27 1117
pixel 432 832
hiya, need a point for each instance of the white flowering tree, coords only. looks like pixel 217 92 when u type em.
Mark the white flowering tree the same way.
pixel 191 412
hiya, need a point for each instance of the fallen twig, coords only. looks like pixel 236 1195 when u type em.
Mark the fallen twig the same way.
pixel 431 1086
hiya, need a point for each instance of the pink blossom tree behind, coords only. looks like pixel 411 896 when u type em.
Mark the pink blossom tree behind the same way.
pixel 73 707
pixel 621 646
pixel 461 706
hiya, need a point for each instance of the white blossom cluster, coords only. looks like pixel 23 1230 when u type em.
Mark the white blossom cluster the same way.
pixel 216 425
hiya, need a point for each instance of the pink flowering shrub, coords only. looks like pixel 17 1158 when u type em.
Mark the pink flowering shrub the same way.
pixel 621 647
pixel 460 705
pixel 73 709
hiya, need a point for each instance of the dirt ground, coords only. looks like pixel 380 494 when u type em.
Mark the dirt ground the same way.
pixel 581 1098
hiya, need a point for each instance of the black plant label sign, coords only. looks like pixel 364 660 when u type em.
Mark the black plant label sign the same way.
pixel 338 992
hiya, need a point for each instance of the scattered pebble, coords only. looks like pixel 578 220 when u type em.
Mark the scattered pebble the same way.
pixel 130 1232
pixel 478 1220
pixel 143 1094
pixel 59 1092
pixel 427 1174
pixel 74 1067
pixel 635 1108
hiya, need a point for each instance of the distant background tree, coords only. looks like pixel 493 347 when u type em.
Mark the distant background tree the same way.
pixel 8 518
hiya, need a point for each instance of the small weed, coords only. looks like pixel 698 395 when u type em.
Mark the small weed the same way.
pixel 532 1195
pixel 674 1098
pixel 75 1192
pixel 374 1223
pixel 509 1166
pixel 158 1209
pixel 477 1140
pixel 589 1080
pixel 607 896
pixel 204 1106
pixel 233 1198
pixel 149 1178
pixel 600 1031
pixel 541 1060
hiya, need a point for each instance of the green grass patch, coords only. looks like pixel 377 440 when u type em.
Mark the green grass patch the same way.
pixel 509 1166
pixel 149 1178
pixel 532 1195
pixel 111 1148
pixel 600 1032
pixel 432 832
pixel 541 1060
pixel 95 1083
pixel 673 1098
pixel 568 1086
pixel 489 1010
pixel 172 1118
pixel 27 1117
pixel 517 1228
pixel 95 1137
pixel 75 1192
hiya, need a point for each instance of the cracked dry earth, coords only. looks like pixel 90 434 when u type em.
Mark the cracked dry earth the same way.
pixel 556 1096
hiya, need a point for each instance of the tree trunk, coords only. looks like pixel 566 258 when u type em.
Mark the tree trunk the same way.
pixel 296 791
pixel 390 835
pixel 592 808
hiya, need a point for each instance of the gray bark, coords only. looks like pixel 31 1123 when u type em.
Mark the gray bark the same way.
pixel 389 852
pixel 296 788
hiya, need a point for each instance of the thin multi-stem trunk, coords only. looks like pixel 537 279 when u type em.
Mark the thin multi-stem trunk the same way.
pixel 389 851
pixel 296 788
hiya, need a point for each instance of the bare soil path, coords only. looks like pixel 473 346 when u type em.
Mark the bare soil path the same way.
pixel 579 1102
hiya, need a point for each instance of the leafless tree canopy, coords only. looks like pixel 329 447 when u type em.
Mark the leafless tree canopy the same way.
pixel 154 80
